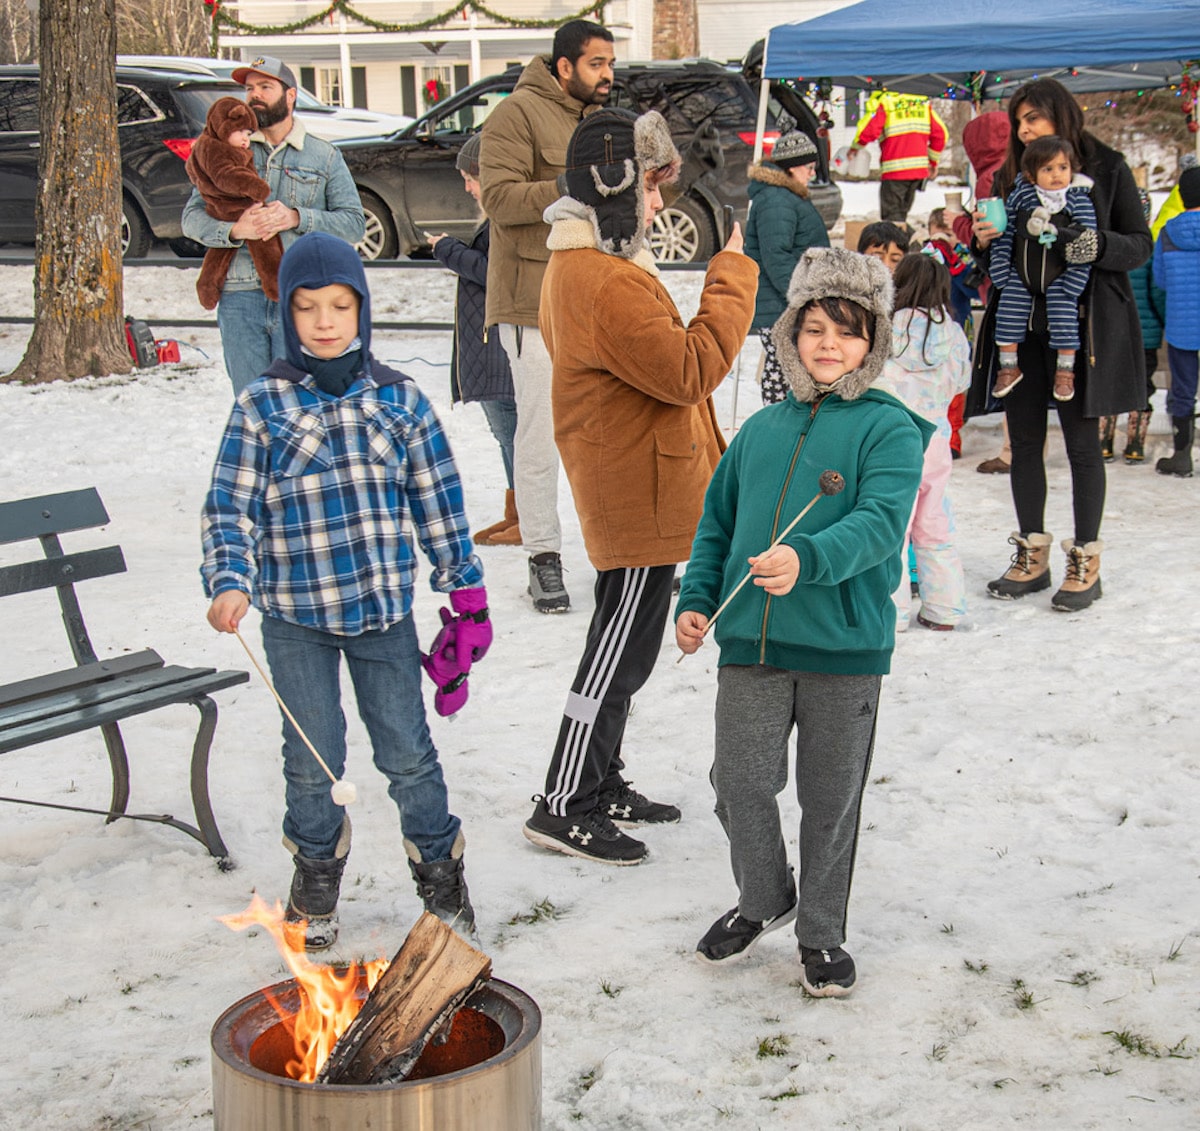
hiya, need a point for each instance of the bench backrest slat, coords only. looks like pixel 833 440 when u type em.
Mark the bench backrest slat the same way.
pixel 23 519
pixel 45 573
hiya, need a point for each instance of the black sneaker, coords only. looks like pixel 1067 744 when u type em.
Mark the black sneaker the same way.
pixel 546 584
pixel 731 936
pixel 626 807
pixel 827 973
pixel 591 836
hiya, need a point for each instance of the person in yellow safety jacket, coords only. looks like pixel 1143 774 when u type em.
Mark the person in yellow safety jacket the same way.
pixel 911 139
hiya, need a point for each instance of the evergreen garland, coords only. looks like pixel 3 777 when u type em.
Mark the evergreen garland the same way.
pixel 221 17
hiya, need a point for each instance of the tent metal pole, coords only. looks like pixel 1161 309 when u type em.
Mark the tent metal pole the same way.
pixel 764 92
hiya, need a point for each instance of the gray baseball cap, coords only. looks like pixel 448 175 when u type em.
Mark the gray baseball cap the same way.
pixel 267 65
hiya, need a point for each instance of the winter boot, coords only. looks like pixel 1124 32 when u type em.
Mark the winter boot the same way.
pixel 443 888
pixel 1029 571
pixel 492 535
pixel 1108 436
pixel 1136 428
pixel 546 583
pixel 312 904
pixel 1082 584
pixel 1180 463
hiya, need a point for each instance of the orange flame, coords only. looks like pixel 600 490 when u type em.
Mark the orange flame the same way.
pixel 330 997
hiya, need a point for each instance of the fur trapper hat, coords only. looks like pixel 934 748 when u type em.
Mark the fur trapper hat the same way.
pixel 227 115
pixel 607 156
pixel 833 272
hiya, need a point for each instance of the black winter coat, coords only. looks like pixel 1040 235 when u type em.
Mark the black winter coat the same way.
pixel 479 369
pixel 1111 373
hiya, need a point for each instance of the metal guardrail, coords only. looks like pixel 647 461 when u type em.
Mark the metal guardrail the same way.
pixel 208 323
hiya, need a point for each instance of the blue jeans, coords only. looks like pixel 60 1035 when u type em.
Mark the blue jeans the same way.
pixel 251 335
pixel 386 672
pixel 1185 373
pixel 502 420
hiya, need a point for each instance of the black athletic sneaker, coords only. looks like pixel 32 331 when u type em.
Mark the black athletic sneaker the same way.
pixel 626 807
pixel 592 836
pixel 827 973
pixel 731 936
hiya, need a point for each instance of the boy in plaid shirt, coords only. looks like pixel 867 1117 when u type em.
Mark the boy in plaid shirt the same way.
pixel 325 461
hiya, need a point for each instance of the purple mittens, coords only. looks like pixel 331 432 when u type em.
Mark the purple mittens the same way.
pixel 463 639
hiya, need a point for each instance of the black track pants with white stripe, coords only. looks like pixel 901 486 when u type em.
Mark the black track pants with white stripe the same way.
pixel 623 642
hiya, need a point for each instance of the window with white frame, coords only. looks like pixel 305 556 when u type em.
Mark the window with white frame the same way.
pixel 329 85
pixel 437 82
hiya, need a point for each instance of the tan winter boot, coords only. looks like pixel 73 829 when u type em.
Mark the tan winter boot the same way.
pixel 1082 584
pixel 1029 571
pixel 511 534
pixel 490 535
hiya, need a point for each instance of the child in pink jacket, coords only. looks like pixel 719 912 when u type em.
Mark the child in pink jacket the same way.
pixel 929 366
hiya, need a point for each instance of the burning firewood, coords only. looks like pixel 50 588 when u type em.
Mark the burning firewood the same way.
pixel 431 976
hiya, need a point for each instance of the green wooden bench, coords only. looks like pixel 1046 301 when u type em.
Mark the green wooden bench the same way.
pixel 95 692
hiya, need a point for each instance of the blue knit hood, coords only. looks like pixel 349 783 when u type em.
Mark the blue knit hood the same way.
pixel 317 260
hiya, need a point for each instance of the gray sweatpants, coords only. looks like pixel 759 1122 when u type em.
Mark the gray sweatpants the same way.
pixel 834 717
pixel 535 455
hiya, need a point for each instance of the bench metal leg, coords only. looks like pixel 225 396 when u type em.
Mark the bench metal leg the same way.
pixel 209 834
pixel 120 770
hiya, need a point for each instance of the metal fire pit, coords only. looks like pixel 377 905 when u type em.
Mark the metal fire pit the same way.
pixel 487 1076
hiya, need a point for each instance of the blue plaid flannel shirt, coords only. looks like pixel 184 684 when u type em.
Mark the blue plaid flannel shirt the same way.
pixel 314 501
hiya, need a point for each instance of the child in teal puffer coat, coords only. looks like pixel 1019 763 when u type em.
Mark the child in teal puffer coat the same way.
pixel 805 648
pixel 783 224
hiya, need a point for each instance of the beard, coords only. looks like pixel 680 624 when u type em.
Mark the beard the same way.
pixel 271 114
pixel 588 95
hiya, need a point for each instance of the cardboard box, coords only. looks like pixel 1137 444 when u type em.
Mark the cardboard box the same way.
pixel 853 231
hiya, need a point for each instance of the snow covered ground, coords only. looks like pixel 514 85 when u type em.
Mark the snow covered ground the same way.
pixel 1025 913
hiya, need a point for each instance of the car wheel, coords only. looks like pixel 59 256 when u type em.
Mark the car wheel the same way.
pixel 379 240
pixel 187 249
pixel 683 233
pixel 135 232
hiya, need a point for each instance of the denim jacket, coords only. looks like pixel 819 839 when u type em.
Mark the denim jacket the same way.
pixel 307 174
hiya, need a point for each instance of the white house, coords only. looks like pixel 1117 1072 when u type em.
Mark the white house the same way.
pixel 349 63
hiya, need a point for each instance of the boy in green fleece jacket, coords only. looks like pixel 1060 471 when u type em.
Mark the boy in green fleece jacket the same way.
pixel 808 647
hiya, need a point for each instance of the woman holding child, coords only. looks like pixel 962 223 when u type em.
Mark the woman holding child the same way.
pixel 1109 368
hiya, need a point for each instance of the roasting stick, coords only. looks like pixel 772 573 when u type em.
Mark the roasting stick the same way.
pixel 343 792
pixel 831 482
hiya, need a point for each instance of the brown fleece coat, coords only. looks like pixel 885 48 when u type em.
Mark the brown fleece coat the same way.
pixel 632 392
pixel 524 148
pixel 226 179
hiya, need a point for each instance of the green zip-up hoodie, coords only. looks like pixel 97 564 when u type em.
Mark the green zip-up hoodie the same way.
pixel 839 618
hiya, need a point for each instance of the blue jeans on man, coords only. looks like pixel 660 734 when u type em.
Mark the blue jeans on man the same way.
pixel 385 669
pixel 251 335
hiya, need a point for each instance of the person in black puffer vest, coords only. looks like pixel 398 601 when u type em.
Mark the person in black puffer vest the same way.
pixel 479 369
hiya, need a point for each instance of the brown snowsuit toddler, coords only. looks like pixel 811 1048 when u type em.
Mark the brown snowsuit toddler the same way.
pixel 228 183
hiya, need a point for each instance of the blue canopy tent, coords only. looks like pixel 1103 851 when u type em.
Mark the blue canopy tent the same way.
pixel 984 48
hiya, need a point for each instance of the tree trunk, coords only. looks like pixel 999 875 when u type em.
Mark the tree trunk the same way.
pixel 77 288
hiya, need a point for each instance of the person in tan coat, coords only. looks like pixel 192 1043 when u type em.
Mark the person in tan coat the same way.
pixel 221 167
pixel 635 426
pixel 524 152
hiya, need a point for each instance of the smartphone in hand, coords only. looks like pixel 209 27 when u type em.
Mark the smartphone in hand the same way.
pixel 727 218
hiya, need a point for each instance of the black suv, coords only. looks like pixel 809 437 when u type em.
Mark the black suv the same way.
pixel 159 114
pixel 409 184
